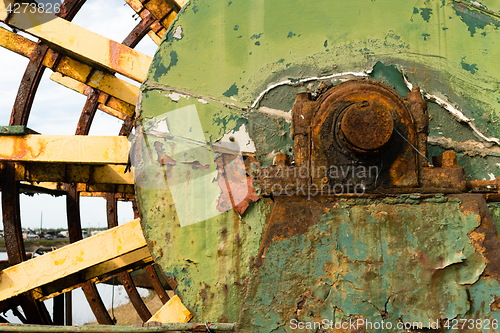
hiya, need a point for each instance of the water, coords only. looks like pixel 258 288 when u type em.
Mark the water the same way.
pixel 82 313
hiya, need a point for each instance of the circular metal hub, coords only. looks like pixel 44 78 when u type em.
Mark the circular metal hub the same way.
pixel 367 125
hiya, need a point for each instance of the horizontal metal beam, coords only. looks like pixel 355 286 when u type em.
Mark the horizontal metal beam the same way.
pixel 74 173
pixel 71 259
pixel 91 47
pixel 64 149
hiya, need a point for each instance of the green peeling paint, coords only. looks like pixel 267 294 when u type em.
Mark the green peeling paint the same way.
pixel 469 67
pixel 476 19
pixel 233 90
pixel 368 261
pixel 378 260
pixel 434 43
pixel 391 76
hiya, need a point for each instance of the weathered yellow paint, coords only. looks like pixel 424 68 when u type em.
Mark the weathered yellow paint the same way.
pixel 16 43
pixel 115 107
pixel 169 19
pixel 72 259
pixel 74 39
pixel 122 191
pixel 113 86
pixel 74 173
pixel 154 37
pixel 65 149
pixel 69 82
pixel 105 82
pixel 136 5
pixel 112 112
pixel 181 3
pixel 69 72
pixel 159 8
pixel 140 255
pixel 127 190
pixel 172 312
pixel 3 9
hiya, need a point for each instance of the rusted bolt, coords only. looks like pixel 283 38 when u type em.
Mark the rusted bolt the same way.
pixel 449 159
pixel 281 159
pixel 304 96
pixel 367 125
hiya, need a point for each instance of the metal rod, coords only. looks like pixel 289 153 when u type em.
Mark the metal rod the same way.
pixel 214 327
pixel 134 296
pixel 58 310
pixel 96 304
pixel 156 283
pixel 69 308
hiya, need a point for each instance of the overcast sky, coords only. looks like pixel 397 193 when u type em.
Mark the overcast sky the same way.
pixel 56 110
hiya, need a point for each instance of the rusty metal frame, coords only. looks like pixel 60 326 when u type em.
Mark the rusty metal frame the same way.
pixel 134 296
pixel 95 99
pixel 125 278
pixel 75 234
pixel 155 281
pixel 96 304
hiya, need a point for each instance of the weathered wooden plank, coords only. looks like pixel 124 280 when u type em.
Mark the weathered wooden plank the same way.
pixel 65 149
pixel 16 43
pixel 68 68
pixel 90 46
pixel 74 173
pixel 113 106
pixel 172 312
pixel 73 258
pixel 181 3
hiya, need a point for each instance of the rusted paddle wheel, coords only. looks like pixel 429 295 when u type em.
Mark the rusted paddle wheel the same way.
pixel 94 76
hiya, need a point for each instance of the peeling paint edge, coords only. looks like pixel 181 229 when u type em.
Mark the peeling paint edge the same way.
pixel 455 112
pixel 480 7
pixel 277 113
pixel 313 78
pixel 469 147
pixel 151 86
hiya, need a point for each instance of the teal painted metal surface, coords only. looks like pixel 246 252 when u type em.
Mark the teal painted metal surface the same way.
pixel 16 130
pixel 402 260
pixel 236 68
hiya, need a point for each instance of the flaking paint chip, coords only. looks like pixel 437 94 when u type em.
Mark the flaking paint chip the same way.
pixel 178 32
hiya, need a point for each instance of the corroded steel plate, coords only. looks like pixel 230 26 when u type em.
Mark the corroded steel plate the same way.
pixel 216 106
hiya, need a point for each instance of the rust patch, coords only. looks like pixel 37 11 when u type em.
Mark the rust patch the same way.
pixel 485 236
pixel 292 216
pixel 196 165
pixel 236 184
pixel 495 306
pixel 163 158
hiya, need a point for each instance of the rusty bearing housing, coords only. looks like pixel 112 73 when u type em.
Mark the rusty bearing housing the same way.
pixel 358 133
pixel 361 132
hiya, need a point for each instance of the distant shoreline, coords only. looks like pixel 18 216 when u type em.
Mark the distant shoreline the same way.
pixel 32 245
